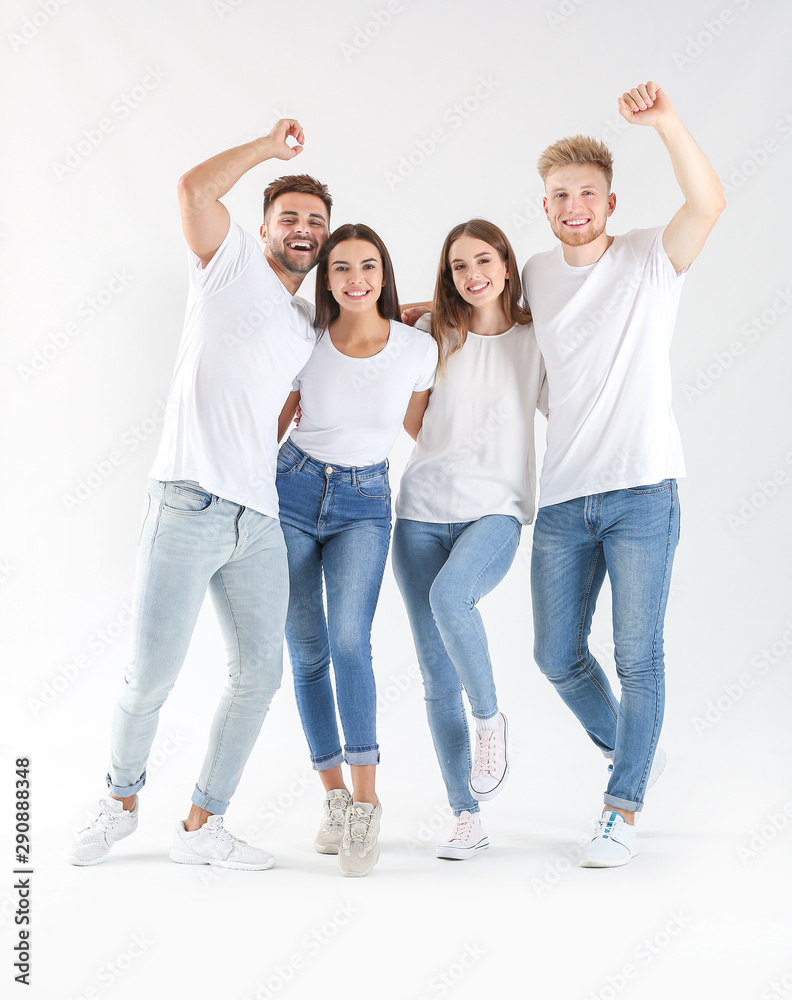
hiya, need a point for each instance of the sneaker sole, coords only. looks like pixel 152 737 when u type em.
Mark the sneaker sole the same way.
pixel 85 864
pixel 461 853
pixel 362 874
pixel 326 848
pixel 486 796
pixel 594 863
pixel 194 859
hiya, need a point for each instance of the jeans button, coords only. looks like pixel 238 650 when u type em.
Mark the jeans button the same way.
pixel 329 470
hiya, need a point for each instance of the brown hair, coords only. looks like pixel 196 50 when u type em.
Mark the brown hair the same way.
pixel 450 313
pixel 327 309
pixel 576 149
pixel 302 184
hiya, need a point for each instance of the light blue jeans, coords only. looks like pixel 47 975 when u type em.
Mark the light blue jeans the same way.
pixel 192 540
pixel 443 570
pixel 632 535
pixel 336 521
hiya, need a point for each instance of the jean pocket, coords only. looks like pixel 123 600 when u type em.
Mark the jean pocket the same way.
pixel 664 484
pixel 184 498
pixel 375 487
pixel 286 464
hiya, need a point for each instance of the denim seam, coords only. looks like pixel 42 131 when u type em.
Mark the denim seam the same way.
pixel 221 734
pixel 583 610
pixel 653 743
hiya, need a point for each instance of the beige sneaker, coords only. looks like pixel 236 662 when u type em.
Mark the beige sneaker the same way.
pixel 360 844
pixel 331 832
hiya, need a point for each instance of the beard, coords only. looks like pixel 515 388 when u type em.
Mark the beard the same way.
pixel 573 238
pixel 301 265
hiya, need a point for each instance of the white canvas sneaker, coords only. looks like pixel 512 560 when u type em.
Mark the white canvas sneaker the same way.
pixel 92 844
pixel 331 832
pixel 614 843
pixel 490 762
pixel 467 839
pixel 212 844
pixel 360 844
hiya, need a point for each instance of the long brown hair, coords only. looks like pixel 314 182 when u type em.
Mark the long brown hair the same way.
pixel 450 313
pixel 327 309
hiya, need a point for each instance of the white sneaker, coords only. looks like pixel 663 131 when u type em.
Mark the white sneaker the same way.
pixel 212 844
pixel 490 763
pixel 331 832
pixel 658 766
pixel 360 844
pixel 614 843
pixel 467 839
pixel 92 844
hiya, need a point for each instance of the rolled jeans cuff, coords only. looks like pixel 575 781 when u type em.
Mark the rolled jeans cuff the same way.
pixel 204 801
pixel 123 792
pixel 328 761
pixel 612 800
pixel 362 756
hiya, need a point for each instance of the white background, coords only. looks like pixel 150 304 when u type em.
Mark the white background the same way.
pixel 710 890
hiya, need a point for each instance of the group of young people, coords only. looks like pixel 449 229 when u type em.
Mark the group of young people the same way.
pixel 296 539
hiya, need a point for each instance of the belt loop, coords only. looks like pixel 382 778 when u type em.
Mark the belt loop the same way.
pixel 300 465
pixel 353 474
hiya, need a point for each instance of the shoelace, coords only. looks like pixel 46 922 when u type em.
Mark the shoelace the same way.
pixel 485 752
pixel 463 826
pixel 216 828
pixel 359 826
pixel 336 810
pixel 602 825
pixel 106 819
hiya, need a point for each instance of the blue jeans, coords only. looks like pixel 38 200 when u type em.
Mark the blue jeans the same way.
pixel 335 519
pixel 630 534
pixel 192 540
pixel 443 570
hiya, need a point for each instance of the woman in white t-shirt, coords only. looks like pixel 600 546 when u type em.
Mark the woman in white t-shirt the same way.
pixel 368 374
pixel 465 494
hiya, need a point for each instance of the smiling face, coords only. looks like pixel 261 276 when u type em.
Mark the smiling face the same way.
pixel 479 273
pixel 295 231
pixel 578 203
pixel 355 275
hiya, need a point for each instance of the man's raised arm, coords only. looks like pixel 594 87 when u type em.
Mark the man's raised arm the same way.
pixel 205 219
pixel 686 233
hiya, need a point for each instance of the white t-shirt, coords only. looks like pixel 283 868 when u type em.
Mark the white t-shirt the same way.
pixel 352 408
pixel 605 332
pixel 475 452
pixel 244 339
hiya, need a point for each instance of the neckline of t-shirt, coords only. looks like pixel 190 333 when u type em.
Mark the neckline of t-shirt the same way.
pixel 495 336
pixel 585 268
pixel 368 357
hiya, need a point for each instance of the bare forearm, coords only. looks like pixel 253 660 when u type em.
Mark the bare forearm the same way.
pixel 216 176
pixel 699 183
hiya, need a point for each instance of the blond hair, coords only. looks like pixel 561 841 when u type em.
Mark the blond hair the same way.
pixel 576 149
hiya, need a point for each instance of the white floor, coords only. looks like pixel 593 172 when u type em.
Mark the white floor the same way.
pixel 694 915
